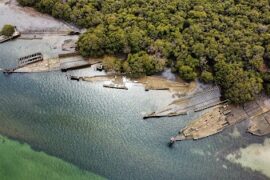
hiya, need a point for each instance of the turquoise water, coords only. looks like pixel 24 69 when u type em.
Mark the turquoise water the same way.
pixel 102 130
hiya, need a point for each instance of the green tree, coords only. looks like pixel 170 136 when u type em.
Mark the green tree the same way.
pixel 137 39
pixel 207 77
pixel 46 6
pixel 8 30
pixel 187 73
pixel 162 48
pixel 267 88
pixel 62 11
pixel 238 85
pixel 28 2
pixel 93 42
pixel 116 41
pixel 141 64
pixel 111 63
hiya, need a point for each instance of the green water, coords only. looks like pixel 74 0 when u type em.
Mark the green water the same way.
pixel 19 161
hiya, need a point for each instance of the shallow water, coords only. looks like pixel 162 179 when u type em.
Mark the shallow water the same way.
pixel 255 156
pixel 102 130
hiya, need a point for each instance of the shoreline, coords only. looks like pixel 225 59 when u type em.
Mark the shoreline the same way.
pixel 189 98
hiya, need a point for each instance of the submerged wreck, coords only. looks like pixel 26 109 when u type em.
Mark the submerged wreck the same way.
pixel 206 125
pixel 223 116
pixel 30 59
pixel 192 103
pixel 115 86
pixel 35 63
pixel 260 125
pixel 24 61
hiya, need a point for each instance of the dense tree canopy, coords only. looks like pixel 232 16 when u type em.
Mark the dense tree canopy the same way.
pixel 207 77
pixel 238 85
pixel 195 36
pixel 141 63
pixel 111 63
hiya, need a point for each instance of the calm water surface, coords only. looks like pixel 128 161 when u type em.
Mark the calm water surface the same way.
pixel 102 130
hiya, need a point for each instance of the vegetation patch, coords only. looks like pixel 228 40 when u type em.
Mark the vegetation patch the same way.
pixel 8 30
